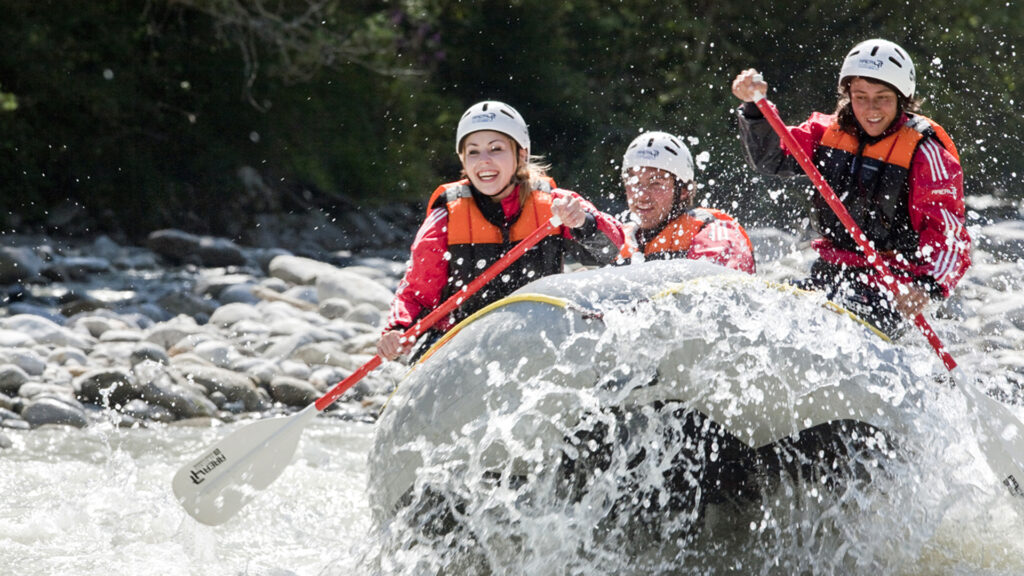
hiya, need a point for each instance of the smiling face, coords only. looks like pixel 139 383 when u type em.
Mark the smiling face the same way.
pixel 489 160
pixel 874 105
pixel 650 193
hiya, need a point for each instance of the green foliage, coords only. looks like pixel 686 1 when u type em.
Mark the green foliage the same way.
pixel 143 112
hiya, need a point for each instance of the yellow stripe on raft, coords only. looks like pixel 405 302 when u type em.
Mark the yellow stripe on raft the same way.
pixel 554 301
pixel 736 279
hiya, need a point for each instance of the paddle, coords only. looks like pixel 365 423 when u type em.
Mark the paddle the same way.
pixel 214 486
pixel 1000 437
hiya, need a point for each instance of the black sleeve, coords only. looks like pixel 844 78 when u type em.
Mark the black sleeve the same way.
pixel 590 247
pixel 761 144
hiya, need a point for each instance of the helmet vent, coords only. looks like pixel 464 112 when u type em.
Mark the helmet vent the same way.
pixel 506 113
pixel 895 61
pixel 874 51
pixel 650 142
pixel 671 151
pixel 485 107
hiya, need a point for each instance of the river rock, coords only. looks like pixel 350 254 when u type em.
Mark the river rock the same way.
pixel 366 313
pixel 14 339
pixel 11 378
pixel 235 387
pixel 74 304
pixel 19 264
pixel 65 356
pixel 333 308
pixel 148 351
pixel 179 396
pixel 295 369
pixel 141 410
pixel 38 310
pixel 188 304
pixel 76 267
pixel 181 247
pixel 326 377
pixel 298 270
pixel 28 360
pixel 244 293
pixel 170 333
pixel 287 346
pixel 217 352
pixel 213 285
pixel 47 410
pixel 363 344
pixel 118 335
pixel 96 325
pixel 106 387
pixel 353 287
pixel 292 391
pixel 44 331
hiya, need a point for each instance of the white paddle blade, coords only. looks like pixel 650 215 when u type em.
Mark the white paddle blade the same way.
pixel 1001 435
pixel 215 486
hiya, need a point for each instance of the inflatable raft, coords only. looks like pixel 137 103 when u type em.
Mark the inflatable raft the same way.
pixel 682 381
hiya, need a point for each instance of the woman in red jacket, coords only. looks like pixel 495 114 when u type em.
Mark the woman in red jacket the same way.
pixel 897 173
pixel 503 196
pixel 657 173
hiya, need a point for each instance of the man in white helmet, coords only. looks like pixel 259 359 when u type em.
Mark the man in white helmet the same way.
pixel 657 173
pixel 897 173
pixel 503 196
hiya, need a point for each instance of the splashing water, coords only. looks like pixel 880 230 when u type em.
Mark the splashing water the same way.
pixel 98 502
pixel 616 445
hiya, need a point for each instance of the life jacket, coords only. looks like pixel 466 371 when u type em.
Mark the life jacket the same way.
pixel 871 178
pixel 674 240
pixel 476 241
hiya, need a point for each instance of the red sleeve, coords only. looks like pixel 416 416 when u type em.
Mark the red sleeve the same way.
pixel 424 281
pixel 723 242
pixel 810 132
pixel 937 214
pixel 606 224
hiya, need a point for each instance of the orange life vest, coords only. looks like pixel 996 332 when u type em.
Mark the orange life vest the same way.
pixel 872 180
pixel 675 238
pixel 474 243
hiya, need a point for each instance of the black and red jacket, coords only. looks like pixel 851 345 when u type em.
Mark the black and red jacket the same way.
pixel 904 189
pixel 465 232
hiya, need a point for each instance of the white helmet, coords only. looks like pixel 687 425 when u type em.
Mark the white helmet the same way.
pixel 659 150
pixel 493 115
pixel 881 60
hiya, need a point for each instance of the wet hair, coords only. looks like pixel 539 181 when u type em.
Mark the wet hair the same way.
pixel 533 169
pixel 844 109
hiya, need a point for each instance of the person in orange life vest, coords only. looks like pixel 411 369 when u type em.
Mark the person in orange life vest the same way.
pixel 898 174
pixel 504 195
pixel 657 173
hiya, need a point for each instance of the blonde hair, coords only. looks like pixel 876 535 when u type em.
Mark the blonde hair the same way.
pixel 528 172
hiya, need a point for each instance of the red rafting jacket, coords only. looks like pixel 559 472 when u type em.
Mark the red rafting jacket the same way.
pixel 425 279
pixel 698 234
pixel 935 202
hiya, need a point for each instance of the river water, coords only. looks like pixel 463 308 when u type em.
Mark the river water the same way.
pixel 97 501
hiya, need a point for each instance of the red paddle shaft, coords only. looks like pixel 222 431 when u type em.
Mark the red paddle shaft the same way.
pixel 444 309
pixel 837 206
